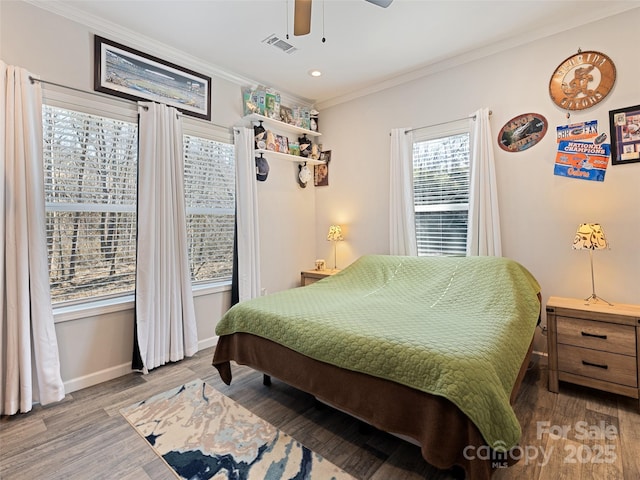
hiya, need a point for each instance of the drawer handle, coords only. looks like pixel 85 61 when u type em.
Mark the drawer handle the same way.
pixel 589 364
pixel 587 334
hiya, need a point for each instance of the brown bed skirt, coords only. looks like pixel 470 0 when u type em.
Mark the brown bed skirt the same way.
pixel 441 429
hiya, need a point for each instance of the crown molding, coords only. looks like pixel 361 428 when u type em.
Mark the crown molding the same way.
pixel 587 17
pixel 153 47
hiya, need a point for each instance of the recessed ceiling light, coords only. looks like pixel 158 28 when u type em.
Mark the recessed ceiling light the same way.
pixel 315 73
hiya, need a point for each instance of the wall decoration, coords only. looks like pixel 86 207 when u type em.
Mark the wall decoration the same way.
pixel 582 152
pixel 305 145
pixel 582 160
pixel 254 100
pixel 294 149
pixel 578 131
pixel 321 171
pixel 270 141
pixel 282 144
pixel 522 132
pixel 286 114
pixel 124 72
pixel 272 105
pixel 582 80
pixel 625 135
pixel 304 174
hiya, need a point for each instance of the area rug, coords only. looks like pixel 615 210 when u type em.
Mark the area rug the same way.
pixel 203 434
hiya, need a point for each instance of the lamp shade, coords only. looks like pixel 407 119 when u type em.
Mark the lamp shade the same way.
pixel 335 233
pixel 589 236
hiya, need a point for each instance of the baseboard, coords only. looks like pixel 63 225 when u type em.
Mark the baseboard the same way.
pixel 118 371
pixel 97 377
pixel 207 342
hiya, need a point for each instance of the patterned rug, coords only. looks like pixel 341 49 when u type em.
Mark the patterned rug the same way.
pixel 202 434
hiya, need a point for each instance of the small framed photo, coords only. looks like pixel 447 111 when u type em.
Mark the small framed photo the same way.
pixel 325 156
pixel 286 114
pixel 282 144
pixel 625 135
pixel 127 73
pixel 321 171
pixel 294 149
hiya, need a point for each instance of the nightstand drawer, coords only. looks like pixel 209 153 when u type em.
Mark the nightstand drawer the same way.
pixel 608 337
pixel 606 366
pixel 307 277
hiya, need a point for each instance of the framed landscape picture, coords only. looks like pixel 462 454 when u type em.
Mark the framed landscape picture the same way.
pixel 128 73
pixel 625 135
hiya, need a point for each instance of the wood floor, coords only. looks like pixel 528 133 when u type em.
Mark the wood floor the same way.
pixel 84 436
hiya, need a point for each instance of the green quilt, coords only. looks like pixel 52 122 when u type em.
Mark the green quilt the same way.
pixel 458 327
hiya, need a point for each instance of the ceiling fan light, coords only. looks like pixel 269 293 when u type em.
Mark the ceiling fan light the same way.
pixel 301 17
pixel 315 73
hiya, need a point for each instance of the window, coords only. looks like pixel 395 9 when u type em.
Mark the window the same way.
pixel 90 202
pixel 210 202
pixel 441 193
pixel 90 164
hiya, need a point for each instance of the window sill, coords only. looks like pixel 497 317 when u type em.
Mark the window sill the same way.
pixel 126 302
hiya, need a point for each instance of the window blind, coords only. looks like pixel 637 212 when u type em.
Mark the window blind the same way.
pixel 210 203
pixel 441 194
pixel 90 203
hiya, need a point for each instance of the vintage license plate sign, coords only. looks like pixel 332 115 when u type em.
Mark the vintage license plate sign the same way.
pixel 522 132
pixel 583 131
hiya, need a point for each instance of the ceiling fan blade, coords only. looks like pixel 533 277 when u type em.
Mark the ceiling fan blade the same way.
pixel 302 17
pixel 380 3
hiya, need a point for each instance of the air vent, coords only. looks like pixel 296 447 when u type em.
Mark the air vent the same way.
pixel 279 43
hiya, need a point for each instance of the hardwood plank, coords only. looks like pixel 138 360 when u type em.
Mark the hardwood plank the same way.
pixel 139 474
pixel 629 422
pixel 602 447
pixel 406 464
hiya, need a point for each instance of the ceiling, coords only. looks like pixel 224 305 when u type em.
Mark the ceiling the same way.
pixel 367 47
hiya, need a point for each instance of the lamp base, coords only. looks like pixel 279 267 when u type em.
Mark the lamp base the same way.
pixel 593 297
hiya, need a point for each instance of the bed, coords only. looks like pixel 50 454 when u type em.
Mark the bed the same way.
pixel 432 349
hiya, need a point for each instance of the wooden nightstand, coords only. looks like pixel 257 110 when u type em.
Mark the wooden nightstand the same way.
pixel 308 277
pixel 594 345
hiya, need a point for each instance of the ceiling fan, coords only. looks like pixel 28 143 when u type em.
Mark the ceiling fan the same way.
pixel 302 14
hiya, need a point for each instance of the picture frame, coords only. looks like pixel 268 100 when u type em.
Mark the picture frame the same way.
pixel 282 144
pixel 127 73
pixel 624 124
pixel 321 171
pixel 286 114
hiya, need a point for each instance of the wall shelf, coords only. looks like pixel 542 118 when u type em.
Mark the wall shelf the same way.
pixel 278 125
pixel 270 154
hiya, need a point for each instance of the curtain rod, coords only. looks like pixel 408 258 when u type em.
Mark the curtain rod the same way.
pixel 473 117
pixel 103 95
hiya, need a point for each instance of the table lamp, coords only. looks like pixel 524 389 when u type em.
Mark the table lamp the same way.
pixel 590 236
pixel 335 236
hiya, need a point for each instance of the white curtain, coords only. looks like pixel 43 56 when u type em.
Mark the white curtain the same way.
pixel 165 317
pixel 483 234
pixel 402 227
pixel 247 215
pixel 29 361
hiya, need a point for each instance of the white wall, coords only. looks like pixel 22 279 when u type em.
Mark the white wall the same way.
pixel 95 348
pixel 539 211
